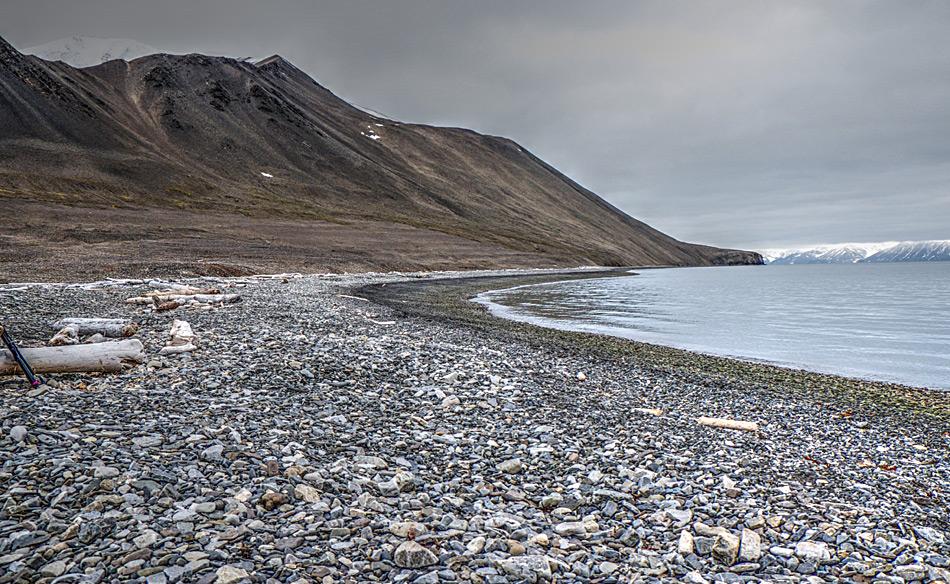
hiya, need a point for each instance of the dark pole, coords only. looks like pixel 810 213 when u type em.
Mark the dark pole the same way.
pixel 19 358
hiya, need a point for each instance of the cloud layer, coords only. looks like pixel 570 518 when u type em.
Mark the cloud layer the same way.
pixel 742 123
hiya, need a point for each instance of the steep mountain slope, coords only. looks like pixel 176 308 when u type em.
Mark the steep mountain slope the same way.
pixel 80 51
pixel 212 134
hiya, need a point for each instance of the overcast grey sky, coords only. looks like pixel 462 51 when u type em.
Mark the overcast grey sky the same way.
pixel 741 123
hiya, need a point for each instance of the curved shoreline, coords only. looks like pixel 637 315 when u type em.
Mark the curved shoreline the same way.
pixel 495 302
pixel 450 301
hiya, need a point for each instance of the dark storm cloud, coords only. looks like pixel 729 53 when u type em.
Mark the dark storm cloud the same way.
pixel 752 124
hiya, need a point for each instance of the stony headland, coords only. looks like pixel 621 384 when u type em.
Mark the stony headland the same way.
pixel 362 428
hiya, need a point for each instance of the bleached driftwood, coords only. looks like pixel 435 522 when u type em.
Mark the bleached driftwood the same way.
pixel 107 327
pixel 651 411
pixel 68 335
pixel 728 424
pixel 199 298
pixel 181 339
pixel 182 291
pixel 110 357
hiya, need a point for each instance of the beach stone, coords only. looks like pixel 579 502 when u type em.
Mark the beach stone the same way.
pixel 695 577
pixel 371 462
pixel 18 433
pixel 513 466
pixel 750 547
pixel 54 569
pixel 680 517
pixel 213 453
pixel 146 539
pixel 407 528
pixel 147 441
pixel 725 548
pixel 527 568
pixel 568 528
pixel 174 573
pixel 307 493
pixel 272 499
pixel 551 501
pixel 105 472
pixel 685 546
pixel 608 568
pixel 230 575
pixel 410 554
pixel 814 552
pixel 476 545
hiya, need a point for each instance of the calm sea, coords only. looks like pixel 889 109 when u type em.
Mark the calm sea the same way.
pixel 888 322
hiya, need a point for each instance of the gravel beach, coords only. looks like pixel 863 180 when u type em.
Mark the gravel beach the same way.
pixel 380 427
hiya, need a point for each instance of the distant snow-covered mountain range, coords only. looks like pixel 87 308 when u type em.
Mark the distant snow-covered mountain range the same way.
pixel 80 51
pixel 853 253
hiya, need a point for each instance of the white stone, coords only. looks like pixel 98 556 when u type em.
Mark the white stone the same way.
pixel 512 466
pixel 527 568
pixel 750 547
pixel 407 528
pixel 686 544
pixel 409 554
pixel 476 545
pixel 570 528
pixel 307 493
pixel 813 551
pixel 146 539
pixel 230 575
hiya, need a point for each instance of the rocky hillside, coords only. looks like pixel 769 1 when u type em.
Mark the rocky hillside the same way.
pixel 198 134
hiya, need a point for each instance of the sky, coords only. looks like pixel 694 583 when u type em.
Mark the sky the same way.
pixel 752 124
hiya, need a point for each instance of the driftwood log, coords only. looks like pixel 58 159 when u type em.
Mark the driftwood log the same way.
pixel 107 327
pixel 110 357
pixel 180 290
pixel 159 299
pixel 728 424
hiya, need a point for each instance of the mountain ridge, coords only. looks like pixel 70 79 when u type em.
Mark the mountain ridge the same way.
pixel 82 51
pixel 852 253
pixel 199 133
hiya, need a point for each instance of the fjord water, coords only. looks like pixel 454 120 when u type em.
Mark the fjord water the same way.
pixel 888 322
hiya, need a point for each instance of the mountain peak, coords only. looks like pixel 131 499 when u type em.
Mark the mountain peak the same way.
pixel 80 51
pixel 273 60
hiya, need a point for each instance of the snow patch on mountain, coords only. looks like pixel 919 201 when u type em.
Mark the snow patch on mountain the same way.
pixel 80 51
pixel 853 253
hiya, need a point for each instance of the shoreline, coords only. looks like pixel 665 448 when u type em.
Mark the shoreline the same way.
pixel 499 310
pixel 452 300
pixel 317 435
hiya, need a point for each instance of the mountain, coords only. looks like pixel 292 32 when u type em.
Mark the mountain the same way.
pixel 81 51
pixel 914 251
pixel 842 253
pixel 183 137
pixel 852 253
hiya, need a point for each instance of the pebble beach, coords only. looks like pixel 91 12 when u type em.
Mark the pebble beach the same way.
pixel 382 428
